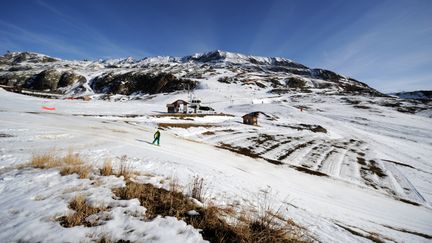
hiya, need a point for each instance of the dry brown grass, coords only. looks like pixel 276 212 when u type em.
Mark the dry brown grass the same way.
pixel 82 170
pixel 208 133
pixel 158 201
pixel 82 211
pixel 45 160
pixel 69 164
pixel 73 163
pixel 107 168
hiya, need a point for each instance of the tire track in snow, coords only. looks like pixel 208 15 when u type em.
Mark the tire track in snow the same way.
pixel 405 184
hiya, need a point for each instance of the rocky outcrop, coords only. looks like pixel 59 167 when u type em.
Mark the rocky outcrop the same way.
pixel 45 80
pixel 133 82
pixel 296 83
pixel 326 75
pixel 52 80
pixel 69 78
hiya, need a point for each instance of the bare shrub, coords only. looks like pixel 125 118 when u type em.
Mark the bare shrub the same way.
pixel 125 168
pixel 174 185
pixel 196 188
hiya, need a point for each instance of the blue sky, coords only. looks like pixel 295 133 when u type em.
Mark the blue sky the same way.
pixel 385 43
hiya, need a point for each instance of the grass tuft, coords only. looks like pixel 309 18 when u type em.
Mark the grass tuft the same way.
pixel 45 161
pixel 71 163
pixel 82 211
pixel 107 168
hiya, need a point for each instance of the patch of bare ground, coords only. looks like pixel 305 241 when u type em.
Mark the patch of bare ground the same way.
pixel 310 127
pixel 184 125
pixel 290 151
pixel 399 163
pixel 208 133
pixel 309 171
pixel 262 138
pixel 374 167
pixel 370 236
pixel 4 135
pixel 191 115
pixel 247 152
pixel 361 107
pixel 240 150
pixel 110 115
pixel 426 236
pixel 408 201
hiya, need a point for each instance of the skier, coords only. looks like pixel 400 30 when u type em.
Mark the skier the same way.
pixel 156 137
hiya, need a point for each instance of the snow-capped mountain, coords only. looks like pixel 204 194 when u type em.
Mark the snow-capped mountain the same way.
pixel 127 76
pixel 415 95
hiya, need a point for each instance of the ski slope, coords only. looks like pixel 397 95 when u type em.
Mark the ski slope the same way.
pixel 326 206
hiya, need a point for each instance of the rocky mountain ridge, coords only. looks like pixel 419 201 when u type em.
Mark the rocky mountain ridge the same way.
pixel 168 74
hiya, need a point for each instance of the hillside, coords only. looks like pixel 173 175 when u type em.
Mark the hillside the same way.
pixel 425 95
pixel 341 160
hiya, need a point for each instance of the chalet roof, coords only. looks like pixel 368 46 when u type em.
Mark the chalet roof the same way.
pixel 179 102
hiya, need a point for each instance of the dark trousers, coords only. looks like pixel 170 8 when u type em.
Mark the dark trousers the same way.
pixel 156 140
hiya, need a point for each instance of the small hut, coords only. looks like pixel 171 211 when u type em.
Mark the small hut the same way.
pixel 178 106
pixel 251 118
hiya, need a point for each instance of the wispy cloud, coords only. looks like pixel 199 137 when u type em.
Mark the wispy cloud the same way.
pixel 389 49
pixel 87 41
pixel 13 33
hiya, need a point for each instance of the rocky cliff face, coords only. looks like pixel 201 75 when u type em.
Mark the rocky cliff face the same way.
pixel 168 74
pixel 140 82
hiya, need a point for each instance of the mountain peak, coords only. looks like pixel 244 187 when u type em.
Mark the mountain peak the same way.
pixel 219 56
pixel 26 56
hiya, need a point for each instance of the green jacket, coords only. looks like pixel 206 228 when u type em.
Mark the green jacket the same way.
pixel 157 134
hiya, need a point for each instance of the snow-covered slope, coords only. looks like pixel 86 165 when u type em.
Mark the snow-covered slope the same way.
pixel 348 168
pixel 415 95
pixel 348 163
